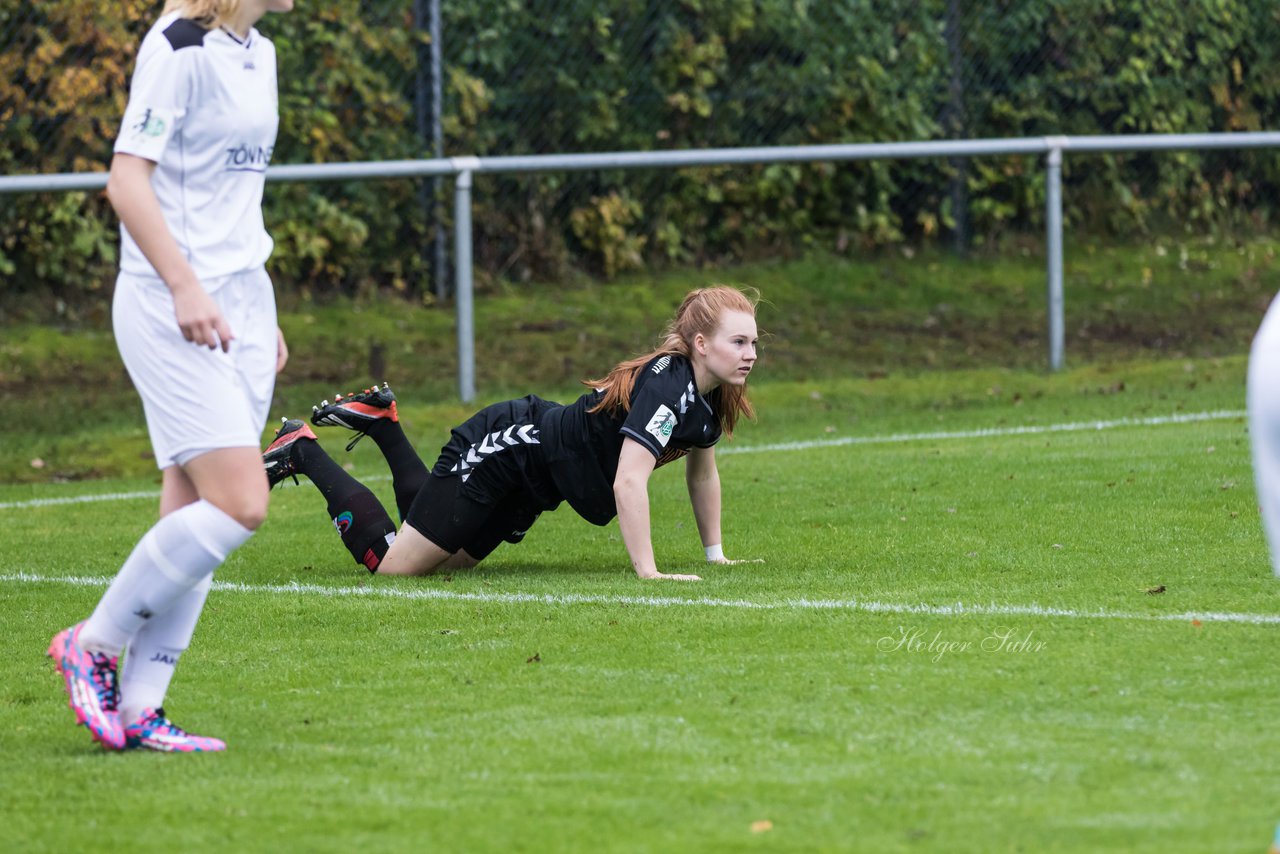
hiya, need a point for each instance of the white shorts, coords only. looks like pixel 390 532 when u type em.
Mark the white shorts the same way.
pixel 197 399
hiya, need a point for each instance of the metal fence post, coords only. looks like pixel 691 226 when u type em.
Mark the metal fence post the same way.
pixel 462 268
pixel 439 262
pixel 1053 242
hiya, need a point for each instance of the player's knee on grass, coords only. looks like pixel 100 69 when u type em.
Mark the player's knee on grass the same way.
pixel 460 560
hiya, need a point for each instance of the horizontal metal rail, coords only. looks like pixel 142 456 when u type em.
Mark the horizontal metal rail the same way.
pixel 362 171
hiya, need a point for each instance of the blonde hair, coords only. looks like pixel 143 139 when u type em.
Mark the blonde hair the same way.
pixel 210 13
pixel 699 313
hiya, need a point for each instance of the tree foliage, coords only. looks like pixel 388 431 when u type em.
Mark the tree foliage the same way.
pixel 612 75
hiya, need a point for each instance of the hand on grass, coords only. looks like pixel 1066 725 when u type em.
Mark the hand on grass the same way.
pixel 671 576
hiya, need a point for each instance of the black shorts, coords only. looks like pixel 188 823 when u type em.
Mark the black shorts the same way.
pixel 490 482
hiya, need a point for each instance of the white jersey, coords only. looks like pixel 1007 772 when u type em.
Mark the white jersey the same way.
pixel 203 107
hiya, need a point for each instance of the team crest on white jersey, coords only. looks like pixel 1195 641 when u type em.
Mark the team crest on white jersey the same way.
pixel 661 425
pixel 151 123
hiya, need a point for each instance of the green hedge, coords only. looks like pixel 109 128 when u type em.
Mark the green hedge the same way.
pixel 599 75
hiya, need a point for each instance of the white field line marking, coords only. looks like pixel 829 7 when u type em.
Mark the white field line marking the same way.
pixel 958 609
pixel 78 499
pixel 990 432
pixel 982 433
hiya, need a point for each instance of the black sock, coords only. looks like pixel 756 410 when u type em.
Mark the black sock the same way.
pixel 408 472
pixel 359 517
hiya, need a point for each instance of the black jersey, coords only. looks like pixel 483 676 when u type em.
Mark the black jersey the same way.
pixel 667 418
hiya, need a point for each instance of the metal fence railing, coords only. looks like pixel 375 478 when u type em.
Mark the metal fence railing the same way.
pixel 464 170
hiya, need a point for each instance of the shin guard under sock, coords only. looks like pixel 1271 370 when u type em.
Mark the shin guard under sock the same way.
pixel 363 524
pixel 408 472
pixel 154 652
pixel 179 551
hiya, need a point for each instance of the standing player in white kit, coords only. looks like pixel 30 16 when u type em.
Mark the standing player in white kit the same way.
pixel 1263 391
pixel 195 321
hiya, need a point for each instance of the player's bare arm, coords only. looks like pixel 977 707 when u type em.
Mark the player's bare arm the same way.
pixel 131 194
pixel 631 492
pixel 703 479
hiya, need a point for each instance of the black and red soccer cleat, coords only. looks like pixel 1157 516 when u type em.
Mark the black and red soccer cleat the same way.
pixel 277 459
pixel 358 412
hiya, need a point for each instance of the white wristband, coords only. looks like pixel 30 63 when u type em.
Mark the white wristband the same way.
pixel 714 553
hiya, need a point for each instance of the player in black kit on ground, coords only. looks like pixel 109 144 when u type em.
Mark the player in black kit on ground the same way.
pixel 511 461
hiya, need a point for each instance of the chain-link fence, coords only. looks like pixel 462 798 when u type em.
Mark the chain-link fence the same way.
pixel 358 83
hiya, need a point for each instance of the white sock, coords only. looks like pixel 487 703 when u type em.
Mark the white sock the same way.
pixel 179 552
pixel 154 652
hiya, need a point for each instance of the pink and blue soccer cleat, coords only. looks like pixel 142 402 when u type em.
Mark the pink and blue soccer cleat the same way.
pixel 153 731
pixel 92 687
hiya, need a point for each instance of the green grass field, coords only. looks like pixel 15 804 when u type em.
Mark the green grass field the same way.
pixel 955 643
